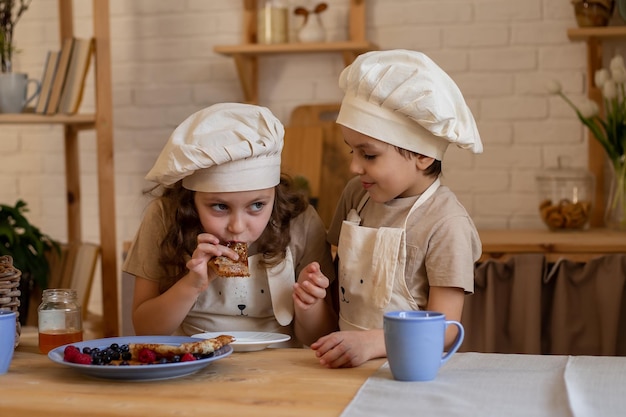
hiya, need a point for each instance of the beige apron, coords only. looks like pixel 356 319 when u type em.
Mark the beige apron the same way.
pixel 371 269
pixel 262 302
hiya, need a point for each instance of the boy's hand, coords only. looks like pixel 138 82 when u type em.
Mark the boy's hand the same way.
pixel 349 349
pixel 311 286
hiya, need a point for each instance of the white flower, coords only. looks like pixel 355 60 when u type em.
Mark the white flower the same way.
pixel 589 109
pixel 608 128
pixel 601 76
pixel 609 90
pixel 619 75
pixel 553 87
pixel 616 62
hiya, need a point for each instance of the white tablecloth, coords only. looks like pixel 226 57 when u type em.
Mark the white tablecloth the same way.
pixel 479 384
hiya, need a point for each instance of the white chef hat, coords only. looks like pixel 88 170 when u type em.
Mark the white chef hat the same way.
pixel 403 98
pixel 223 148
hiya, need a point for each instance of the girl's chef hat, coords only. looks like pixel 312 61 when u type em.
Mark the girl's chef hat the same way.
pixel 403 98
pixel 223 148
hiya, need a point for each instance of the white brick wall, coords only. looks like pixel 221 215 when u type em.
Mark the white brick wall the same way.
pixel 501 52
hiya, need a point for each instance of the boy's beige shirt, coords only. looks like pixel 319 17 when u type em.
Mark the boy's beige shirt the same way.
pixel 442 241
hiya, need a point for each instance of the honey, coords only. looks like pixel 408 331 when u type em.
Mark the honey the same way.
pixel 49 341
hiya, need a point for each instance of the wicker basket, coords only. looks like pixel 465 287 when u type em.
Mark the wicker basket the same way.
pixel 10 291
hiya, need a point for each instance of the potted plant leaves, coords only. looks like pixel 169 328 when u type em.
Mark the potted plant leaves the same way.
pixel 29 248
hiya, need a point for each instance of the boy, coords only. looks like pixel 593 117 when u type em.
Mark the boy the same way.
pixel 404 242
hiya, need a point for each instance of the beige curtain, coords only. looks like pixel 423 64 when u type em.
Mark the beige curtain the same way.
pixel 524 305
pixel 504 313
pixel 588 313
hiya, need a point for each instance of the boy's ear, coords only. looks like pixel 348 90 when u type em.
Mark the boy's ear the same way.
pixel 422 162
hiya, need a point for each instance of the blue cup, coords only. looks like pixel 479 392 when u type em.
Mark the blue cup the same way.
pixel 414 342
pixel 8 321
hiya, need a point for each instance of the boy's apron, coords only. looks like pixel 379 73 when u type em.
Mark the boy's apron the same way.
pixel 371 269
pixel 264 296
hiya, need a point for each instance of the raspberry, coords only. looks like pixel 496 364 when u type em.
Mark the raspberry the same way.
pixel 146 356
pixel 82 359
pixel 70 352
pixel 187 357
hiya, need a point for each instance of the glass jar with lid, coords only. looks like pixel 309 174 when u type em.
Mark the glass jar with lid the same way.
pixel 60 319
pixel 273 22
pixel 565 196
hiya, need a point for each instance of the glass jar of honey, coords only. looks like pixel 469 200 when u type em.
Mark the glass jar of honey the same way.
pixel 60 319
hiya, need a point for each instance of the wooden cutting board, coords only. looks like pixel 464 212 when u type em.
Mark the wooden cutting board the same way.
pixel 314 144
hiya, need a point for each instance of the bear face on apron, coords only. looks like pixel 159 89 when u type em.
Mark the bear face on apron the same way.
pixel 371 269
pixel 261 302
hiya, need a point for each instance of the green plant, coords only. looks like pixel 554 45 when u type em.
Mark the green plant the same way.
pixel 609 129
pixel 26 244
pixel 9 17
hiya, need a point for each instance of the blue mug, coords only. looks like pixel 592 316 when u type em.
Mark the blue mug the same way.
pixel 414 341
pixel 8 321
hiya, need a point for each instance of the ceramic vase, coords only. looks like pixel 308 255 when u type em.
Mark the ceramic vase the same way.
pixel 312 30
pixel 621 9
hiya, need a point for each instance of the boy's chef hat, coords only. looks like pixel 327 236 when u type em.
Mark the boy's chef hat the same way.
pixel 403 98
pixel 223 148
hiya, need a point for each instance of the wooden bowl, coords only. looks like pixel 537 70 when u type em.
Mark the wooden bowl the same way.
pixel 590 13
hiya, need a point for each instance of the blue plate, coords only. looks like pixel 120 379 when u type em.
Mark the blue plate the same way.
pixel 138 372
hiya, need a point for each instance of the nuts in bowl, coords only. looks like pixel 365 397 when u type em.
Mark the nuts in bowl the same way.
pixel 565 196
pixel 565 214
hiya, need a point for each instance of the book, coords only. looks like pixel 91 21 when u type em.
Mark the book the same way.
pixel 76 74
pixel 59 78
pixel 49 70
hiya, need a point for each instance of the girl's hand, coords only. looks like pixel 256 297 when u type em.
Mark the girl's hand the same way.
pixel 200 275
pixel 311 286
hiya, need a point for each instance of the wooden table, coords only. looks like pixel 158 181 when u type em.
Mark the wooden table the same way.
pixel 272 382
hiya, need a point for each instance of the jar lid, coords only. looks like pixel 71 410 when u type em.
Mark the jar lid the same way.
pixel 565 172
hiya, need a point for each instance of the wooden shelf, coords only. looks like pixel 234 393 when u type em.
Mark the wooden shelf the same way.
pixel 101 122
pixel 603 32
pixel 247 53
pixel 79 120
pixel 596 159
pixel 576 245
pixel 255 49
pixel 246 58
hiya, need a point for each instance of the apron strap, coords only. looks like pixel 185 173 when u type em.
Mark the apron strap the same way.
pixel 281 280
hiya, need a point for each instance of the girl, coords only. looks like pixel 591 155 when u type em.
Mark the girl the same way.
pixel 220 181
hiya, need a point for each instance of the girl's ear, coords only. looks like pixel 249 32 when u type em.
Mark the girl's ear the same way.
pixel 422 162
